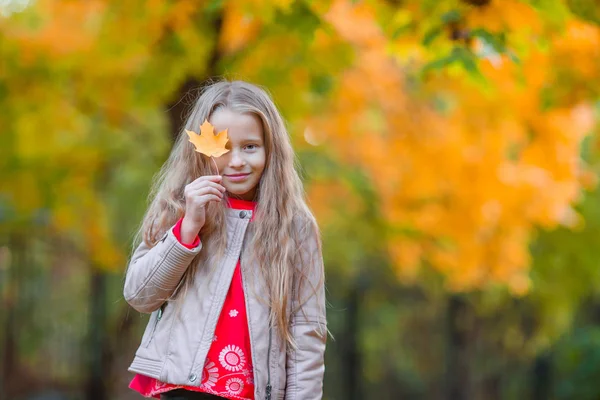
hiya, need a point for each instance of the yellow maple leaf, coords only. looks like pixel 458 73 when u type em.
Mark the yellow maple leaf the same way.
pixel 207 142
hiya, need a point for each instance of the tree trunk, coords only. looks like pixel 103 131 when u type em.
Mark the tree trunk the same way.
pixel 98 349
pixel 457 373
pixel 542 377
pixel 351 368
pixel 10 367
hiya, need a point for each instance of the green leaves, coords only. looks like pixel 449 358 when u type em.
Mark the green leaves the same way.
pixel 461 56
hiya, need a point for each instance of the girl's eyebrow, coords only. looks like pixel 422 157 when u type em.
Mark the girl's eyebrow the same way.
pixel 250 139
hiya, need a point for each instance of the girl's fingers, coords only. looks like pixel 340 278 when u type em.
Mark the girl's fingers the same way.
pixel 195 193
pixel 205 199
pixel 205 183
pixel 217 186
pixel 205 190
pixel 207 178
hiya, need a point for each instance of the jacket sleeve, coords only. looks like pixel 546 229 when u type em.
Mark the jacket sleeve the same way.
pixel 305 365
pixel 154 273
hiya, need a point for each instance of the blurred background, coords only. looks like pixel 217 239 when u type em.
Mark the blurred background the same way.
pixel 449 151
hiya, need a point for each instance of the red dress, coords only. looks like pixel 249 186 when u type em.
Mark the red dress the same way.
pixel 228 368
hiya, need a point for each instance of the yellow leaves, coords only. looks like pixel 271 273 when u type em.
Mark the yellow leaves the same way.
pixel 472 172
pixel 207 142
pixel 579 49
pixel 327 196
pixel 82 214
pixel 510 15
pixel 588 179
pixel 181 15
pixel 25 191
pixel 238 28
pixel 93 97
pixel 99 240
pixel 355 22
pixel 408 254
pixel 67 27
pixel 475 179
pixel 264 11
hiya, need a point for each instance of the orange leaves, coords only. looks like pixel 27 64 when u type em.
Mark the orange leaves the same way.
pixel 81 84
pixel 475 177
pixel 472 168
pixel 82 215
pixel 355 22
pixel 67 27
pixel 207 142
pixel 510 15
pixel 578 50
pixel 238 28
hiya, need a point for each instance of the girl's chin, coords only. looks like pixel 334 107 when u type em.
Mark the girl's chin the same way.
pixel 238 194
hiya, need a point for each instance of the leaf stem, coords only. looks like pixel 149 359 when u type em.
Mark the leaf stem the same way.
pixel 212 158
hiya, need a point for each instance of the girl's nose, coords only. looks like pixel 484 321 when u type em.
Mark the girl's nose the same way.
pixel 236 160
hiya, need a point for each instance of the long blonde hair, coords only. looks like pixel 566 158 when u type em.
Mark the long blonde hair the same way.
pixel 283 219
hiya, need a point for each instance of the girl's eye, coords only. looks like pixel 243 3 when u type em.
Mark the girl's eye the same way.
pixel 251 147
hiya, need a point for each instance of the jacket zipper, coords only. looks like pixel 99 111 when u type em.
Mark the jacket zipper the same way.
pixel 268 395
pixel 269 387
pixel 158 317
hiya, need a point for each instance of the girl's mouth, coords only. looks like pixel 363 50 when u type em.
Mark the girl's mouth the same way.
pixel 237 177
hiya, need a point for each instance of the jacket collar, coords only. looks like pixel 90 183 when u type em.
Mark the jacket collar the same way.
pixel 241 209
pixel 240 204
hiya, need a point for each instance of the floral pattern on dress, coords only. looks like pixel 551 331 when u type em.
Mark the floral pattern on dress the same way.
pixel 232 358
pixel 234 386
pixel 210 374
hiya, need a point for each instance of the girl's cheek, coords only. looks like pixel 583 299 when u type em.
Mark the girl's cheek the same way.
pixel 221 163
pixel 258 156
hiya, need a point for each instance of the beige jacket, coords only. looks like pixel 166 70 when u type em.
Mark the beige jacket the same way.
pixel 174 345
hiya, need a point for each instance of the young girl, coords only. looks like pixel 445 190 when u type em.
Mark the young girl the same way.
pixel 230 264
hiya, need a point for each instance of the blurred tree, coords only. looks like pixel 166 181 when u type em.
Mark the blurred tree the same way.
pixel 470 139
pixel 436 134
pixel 469 151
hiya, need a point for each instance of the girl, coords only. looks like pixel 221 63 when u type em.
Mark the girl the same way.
pixel 230 264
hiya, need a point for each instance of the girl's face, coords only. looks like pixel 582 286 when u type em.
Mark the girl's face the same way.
pixel 244 163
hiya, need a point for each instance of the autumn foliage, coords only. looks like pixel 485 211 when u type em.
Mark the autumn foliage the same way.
pixel 472 157
pixel 467 117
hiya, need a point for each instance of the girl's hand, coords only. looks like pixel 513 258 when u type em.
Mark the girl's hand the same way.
pixel 197 195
